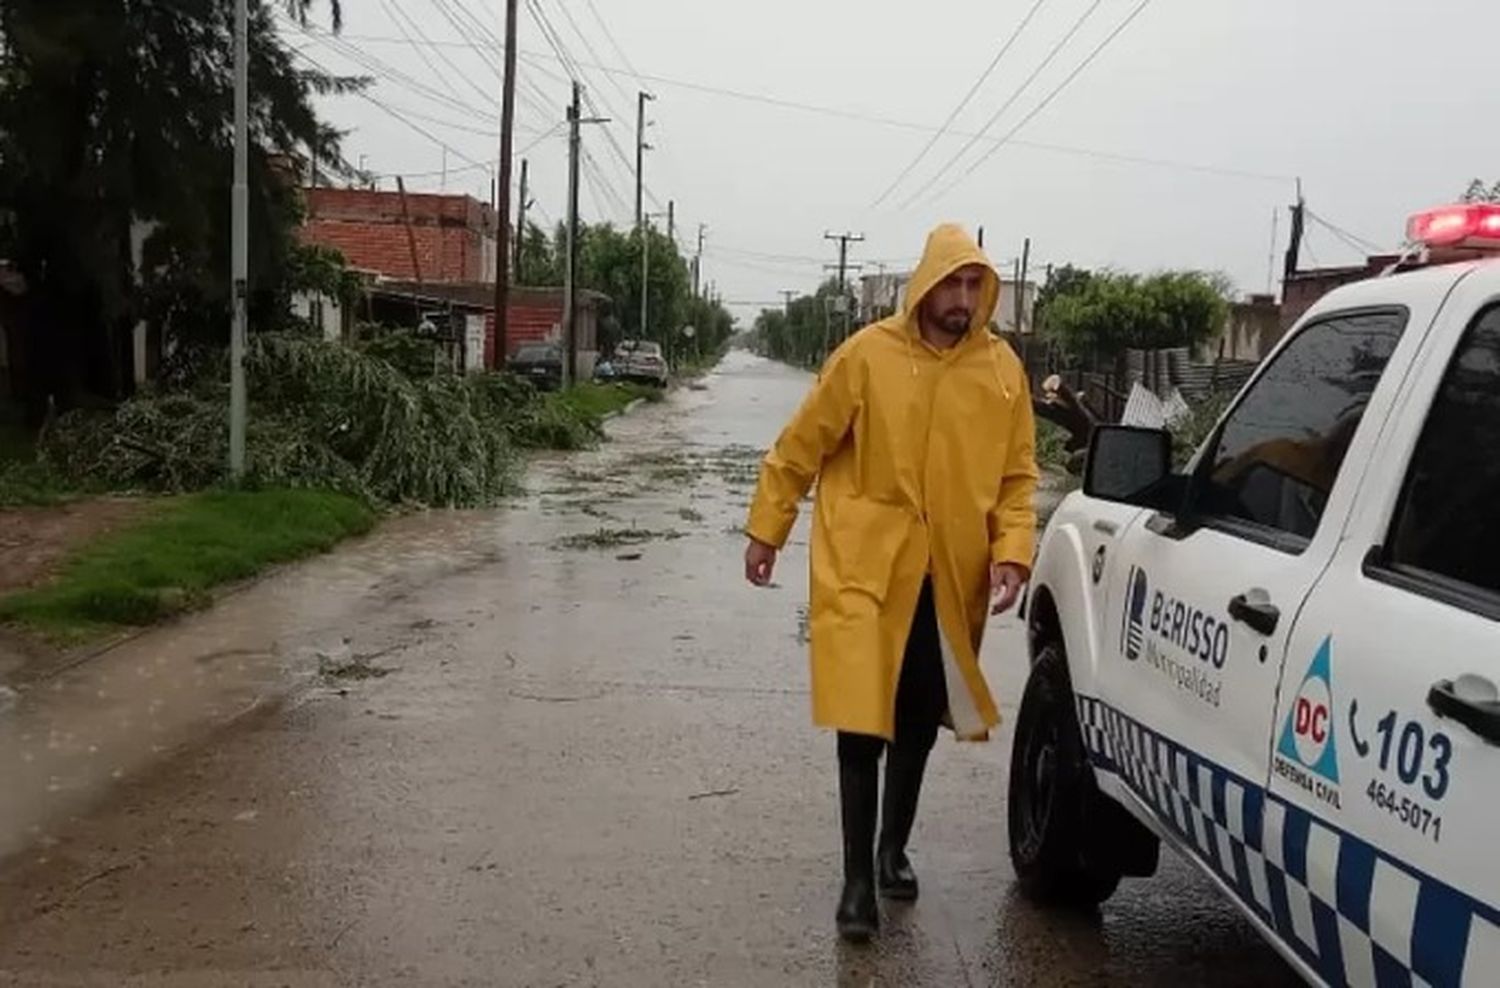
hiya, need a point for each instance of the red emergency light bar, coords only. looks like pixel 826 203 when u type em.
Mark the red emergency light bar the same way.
pixel 1471 225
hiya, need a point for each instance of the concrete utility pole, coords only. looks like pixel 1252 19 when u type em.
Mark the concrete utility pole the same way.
pixel 521 208
pixel 502 212
pixel 844 240
pixel 570 265
pixel 570 306
pixel 698 260
pixel 646 219
pixel 240 240
pixel 641 147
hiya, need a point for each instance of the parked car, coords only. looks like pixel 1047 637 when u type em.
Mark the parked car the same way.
pixel 1282 661
pixel 539 363
pixel 642 362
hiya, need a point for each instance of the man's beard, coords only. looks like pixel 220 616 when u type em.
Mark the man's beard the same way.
pixel 956 321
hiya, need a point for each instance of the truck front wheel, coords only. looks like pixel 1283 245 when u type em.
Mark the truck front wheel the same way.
pixel 1051 792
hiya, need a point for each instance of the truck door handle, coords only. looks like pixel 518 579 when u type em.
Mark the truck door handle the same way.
pixel 1106 527
pixel 1254 610
pixel 1473 702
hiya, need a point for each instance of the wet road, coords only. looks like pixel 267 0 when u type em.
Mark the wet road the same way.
pixel 554 744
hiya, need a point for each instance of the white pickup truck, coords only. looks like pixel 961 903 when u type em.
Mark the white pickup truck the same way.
pixel 1282 660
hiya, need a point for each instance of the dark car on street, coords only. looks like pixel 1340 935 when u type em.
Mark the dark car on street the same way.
pixel 539 363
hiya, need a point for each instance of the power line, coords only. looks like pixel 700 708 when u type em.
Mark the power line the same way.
pixel 588 46
pixel 842 113
pixel 1358 243
pixel 610 37
pixel 378 67
pixel 393 10
pixel 1020 90
pixel 969 96
pixel 393 113
pixel 1098 50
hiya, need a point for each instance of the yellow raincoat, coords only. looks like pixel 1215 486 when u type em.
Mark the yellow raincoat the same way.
pixel 925 462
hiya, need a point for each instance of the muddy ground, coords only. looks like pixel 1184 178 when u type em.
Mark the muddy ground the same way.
pixel 555 744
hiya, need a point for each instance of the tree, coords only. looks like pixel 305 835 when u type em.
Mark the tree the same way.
pixel 1062 281
pixel 1478 191
pixel 806 331
pixel 609 262
pixel 116 144
pixel 1115 312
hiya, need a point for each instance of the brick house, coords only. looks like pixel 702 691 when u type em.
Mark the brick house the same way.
pixel 455 238
pixel 535 314
pixel 455 234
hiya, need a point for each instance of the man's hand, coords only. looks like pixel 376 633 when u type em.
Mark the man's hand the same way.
pixel 760 562
pixel 1006 581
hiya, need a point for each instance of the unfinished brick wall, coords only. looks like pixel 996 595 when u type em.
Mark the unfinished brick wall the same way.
pixel 454 233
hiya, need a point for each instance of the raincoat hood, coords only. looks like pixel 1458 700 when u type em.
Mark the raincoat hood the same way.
pixel 949 247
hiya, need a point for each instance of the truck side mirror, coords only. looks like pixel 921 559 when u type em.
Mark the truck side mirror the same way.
pixel 1130 465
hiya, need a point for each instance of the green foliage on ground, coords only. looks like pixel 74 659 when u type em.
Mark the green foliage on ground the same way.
pixel 170 560
pixel 329 417
pixel 1051 445
pixel 1189 431
pixel 593 401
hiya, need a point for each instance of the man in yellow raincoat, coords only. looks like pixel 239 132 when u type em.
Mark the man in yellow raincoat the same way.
pixel 920 435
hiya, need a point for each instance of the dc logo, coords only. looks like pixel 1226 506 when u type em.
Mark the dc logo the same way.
pixel 1133 636
pixel 1307 734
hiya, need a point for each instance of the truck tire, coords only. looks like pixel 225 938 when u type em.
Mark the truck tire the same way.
pixel 1051 792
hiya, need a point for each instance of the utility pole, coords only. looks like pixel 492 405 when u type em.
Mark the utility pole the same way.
pixel 698 260
pixel 981 236
pixel 521 207
pixel 672 220
pixel 844 240
pixel 1021 287
pixel 641 147
pixel 1294 245
pixel 570 263
pixel 240 240
pixel 502 213
pixel 570 279
pixel 1015 281
pixel 646 273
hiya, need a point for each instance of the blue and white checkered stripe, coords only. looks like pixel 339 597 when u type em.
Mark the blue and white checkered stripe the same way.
pixel 1310 881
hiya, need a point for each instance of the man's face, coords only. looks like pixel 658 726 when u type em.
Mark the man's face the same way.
pixel 950 305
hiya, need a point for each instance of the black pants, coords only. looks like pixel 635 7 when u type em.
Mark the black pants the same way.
pixel 921 695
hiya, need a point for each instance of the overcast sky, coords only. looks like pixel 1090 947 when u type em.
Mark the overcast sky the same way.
pixel 1381 107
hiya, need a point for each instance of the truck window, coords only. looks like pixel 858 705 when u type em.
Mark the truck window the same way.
pixel 1448 522
pixel 1279 452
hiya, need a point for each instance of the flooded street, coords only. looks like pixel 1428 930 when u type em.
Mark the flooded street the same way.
pixel 558 743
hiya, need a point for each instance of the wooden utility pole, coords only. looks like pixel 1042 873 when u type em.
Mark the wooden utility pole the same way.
pixel 1021 287
pixel 502 213
pixel 672 220
pixel 521 207
pixel 844 240
pixel 1294 244
pixel 411 234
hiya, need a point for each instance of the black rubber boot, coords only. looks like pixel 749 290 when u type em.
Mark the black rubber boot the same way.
pixel 904 767
pixel 858 917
